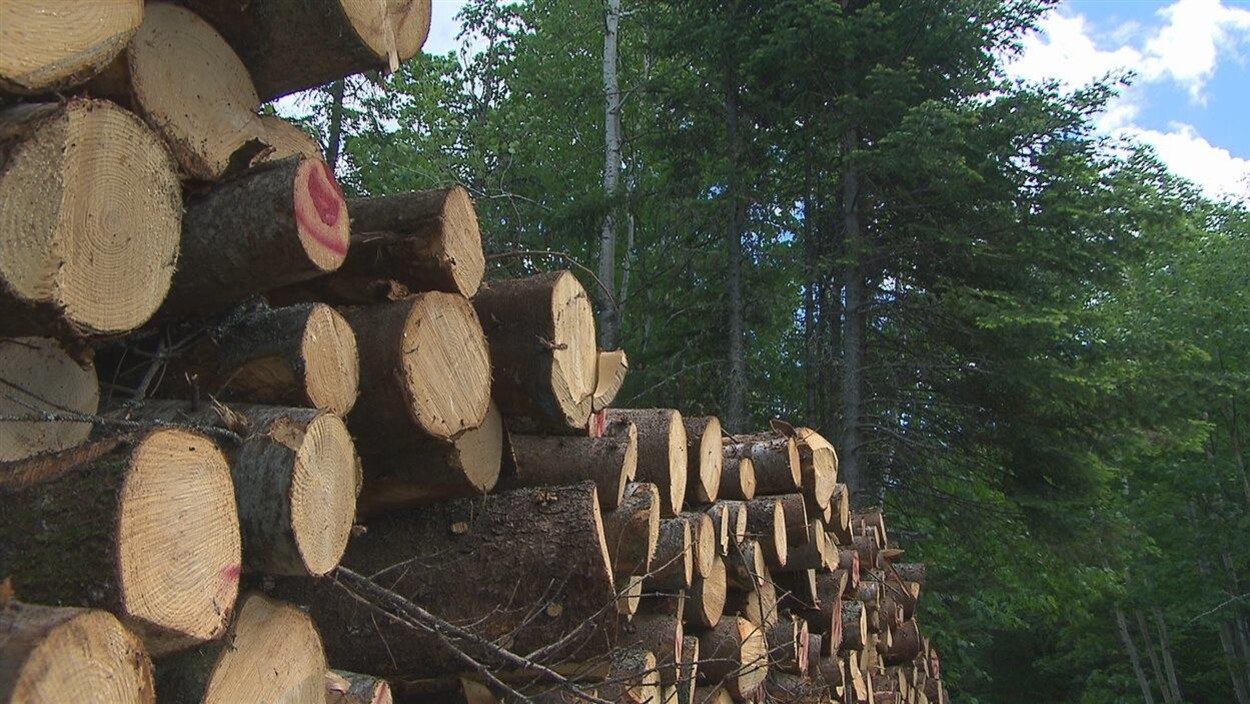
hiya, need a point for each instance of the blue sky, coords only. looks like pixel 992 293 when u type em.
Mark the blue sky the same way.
pixel 1190 100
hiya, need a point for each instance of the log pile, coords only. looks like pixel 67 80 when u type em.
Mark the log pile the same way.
pixel 262 442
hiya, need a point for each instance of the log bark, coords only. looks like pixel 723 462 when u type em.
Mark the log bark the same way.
pixel 848 560
pixel 818 466
pixel 38 372
pixel 795 516
pixel 796 591
pixel 870 521
pixel 93 196
pixel 816 553
pixel 344 687
pixel 905 644
pixel 758 605
pixel 62 654
pixel 687 671
pixel 766 525
pixel 734 655
pixel 295 481
pixel 613 365
pixel 911 572
pixel 408 242
pixel 662 456
pixel 713 694
pixel 775 458
pixel 120 514
pixel 672 568
pixel 738 479
pixel 633 678
pixel 745 565
pixel 50 46
pixel 704 457
pixel 293 45
pixel 730 520
pixel 271 653
pixel 854 626
pixel 541 331
pixel 660 634
pixel 274 225
pixel 424 372
pixel 787 646
pixel 302 355
pixel 632 530
pixel 610 461
pixel 705 602
pixel 540 552
pixel 190 86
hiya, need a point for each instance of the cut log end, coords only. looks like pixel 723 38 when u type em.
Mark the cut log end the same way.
pixel 321 214
pixel 178 540
pixel 93 197
pixel 613 366
pixel 71 655
pixel 705 458
pixel 38 371
pixel 446 365
pixel 331 361
pixel 49 45
pixel 323 493
pixel 574 351
pixel 285 139
pixel 462 241
pixel 394 30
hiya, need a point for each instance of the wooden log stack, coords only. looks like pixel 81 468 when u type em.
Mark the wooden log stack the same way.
pixel 260 441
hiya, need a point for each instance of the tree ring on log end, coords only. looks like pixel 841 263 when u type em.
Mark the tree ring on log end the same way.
pixel 677 460
pixel 274 654
pixel 574 351
pixel 39 372
pixel 463 241
pixel 331 361
pixel 395 26
pixel 50 44
pixel 323 493
pixel 446 364
pixel 321 214
pixel 178 538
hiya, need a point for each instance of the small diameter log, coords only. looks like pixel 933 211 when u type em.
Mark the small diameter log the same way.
pixel 795 689
pixel 411 242
pixel 188 84
pixel 848 561
pixel 818 466
pixel 759 605
pixel 273 225
pixel 541 331
pixel 633 678
pixel 292 45
pixel 775 458
pixel 609 461
pixel 93 197
pixel 738 478
pixel 302 355
pixel 796 591
pixel 61 654
pixel 867 547
pixel 705 601
pixel 661 452
pixel 767 526
pixel 722 514
pixel 830 587
pixel 282 139
pixel 344 687
pixel 424 372
pixel 816 553
pixel 660 634
pixel 672 568
pixel 787 646
pixel 745 565
pixel 628 595
pixel 870 521
pixel 703 540
pixel 733 654
pixel 613 365
pixel 713 694
pixel 935 691
pixel 295 481
pixel 632 530
pixel 704 458
pixel 854 626
pixel 121 515
pixel 435 470
pixel 906 644
pixel 795 515
pixel 687 671
pixel 906 571
pixel 271 653
pixel 49 46
pixel 37 372
pixel 839 515
pixel 539 551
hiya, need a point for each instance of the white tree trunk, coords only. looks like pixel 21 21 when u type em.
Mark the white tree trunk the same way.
pixel 609 325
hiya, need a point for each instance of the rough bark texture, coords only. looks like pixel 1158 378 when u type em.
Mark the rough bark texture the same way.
pixel 766 525
pixel 775 458
pixel 539 552
pixel 274 39
pixel 662 456
pixel 119 513
pixel 554 460
pixel 734 654
pixel 735 402
pixel 673 566
pixel 818 466
pixel 633 529
pixel 660 634
pixel 61 654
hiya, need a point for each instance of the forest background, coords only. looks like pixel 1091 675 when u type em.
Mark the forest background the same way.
pixel 1029 341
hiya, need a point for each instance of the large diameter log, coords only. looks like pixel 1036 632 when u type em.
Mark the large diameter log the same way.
pixel 294 477
pixel 703 453
pixel 435 470
pixel 661 452
pixel 539 551
pixel 186 81
pixel 818 466
pixel 292 45
pixel 672 568
pixel 48 45
pixel 613 365
pixel 541 331
pixel 120 517
pixel 766 525
pixel 420 241
pixel 705 601
pixel 302 355
pixel 632 530
pixel 37 373
pixel 272 653
pixel 738 478
pixel 344 687
pixel 734 654
pixel 660 634
pixel 775 458
pixel 558 460
pixel 92 197
pixel 425 371
pixel 906 644
pixel 273 225
pixel 61 654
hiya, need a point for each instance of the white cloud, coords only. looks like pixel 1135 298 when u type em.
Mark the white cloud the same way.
pixel 1216 171
pixel 1064 50
pixel 1187 48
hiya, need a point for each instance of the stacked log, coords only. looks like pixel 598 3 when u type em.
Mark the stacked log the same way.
pixel 417 475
